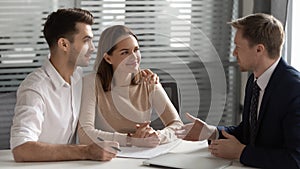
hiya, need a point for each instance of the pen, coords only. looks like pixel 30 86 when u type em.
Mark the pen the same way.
pixel 116 148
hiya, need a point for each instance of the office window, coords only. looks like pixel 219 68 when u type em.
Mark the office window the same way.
pixel 22 46
pixel 187 41
pixel 295 51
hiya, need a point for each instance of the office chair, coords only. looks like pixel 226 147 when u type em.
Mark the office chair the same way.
pixel 173 93
pixel 172 90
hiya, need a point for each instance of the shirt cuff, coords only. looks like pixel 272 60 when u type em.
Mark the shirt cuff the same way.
pixel 217 134
pixel 121 138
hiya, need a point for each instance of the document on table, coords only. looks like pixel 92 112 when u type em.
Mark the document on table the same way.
pixel 142 152
pixel 188 161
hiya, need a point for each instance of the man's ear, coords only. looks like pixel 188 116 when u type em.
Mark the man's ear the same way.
pixel 63 43
pixel 107 58
pixel 260 49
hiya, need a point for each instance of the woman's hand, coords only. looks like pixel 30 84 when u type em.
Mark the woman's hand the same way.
pixel 143 130
pixel 145 136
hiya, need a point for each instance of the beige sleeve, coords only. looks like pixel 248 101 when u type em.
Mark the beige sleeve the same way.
pixel 167 113
pixel 87 132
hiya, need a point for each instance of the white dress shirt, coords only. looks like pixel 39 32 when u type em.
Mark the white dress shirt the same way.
pixel 47 107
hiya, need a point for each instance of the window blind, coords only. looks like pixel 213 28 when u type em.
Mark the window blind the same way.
pixel 189 42
pixel 21 45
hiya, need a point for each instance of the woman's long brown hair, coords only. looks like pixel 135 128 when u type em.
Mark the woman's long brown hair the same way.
pixel 109 39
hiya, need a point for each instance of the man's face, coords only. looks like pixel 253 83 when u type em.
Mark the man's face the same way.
pixel 245 55
pixel 82 46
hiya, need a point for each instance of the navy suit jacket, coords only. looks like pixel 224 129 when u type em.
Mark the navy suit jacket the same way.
pixel 277 144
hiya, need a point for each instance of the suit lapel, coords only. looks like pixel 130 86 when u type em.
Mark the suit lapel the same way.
pixel 271 87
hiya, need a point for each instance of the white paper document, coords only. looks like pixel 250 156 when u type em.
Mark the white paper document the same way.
pixel 188 161
pixel 142 152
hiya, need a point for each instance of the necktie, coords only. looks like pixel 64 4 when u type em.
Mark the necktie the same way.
pixel 253 112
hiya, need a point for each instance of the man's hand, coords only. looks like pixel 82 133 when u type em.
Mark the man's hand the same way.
pixel 198 130
pixel 229 148
pixel 102 151
pixel 149 76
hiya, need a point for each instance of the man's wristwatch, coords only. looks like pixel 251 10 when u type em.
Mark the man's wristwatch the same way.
pixel 128 140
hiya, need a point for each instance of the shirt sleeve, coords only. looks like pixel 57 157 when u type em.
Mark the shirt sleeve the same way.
pixel 167 113
pixel 28 118
pixel 87 132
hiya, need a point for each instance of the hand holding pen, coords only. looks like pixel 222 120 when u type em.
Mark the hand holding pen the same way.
pixel 113 147
pixel 100 151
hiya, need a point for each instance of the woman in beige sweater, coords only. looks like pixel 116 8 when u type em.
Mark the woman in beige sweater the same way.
pixel 116 102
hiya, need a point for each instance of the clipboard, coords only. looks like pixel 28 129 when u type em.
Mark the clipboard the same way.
pixel 188 161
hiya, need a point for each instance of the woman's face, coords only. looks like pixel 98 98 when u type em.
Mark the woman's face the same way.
pixel 126 57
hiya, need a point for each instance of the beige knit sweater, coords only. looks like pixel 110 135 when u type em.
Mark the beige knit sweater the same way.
pixel 111 115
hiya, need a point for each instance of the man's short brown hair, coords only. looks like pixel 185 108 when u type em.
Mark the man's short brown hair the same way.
pixel 62 24
pixel 262 29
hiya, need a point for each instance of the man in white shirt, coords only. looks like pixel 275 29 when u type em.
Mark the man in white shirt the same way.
pixel 48 100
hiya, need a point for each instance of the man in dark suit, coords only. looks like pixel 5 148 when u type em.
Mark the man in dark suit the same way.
pixel 269 134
